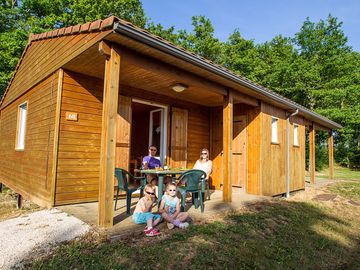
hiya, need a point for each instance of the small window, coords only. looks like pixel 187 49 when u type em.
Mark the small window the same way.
pixel 21 126
pixel 296 138
pixel 274 132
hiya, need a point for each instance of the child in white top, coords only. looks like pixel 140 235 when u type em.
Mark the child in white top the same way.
pixel 170 208
pixel 143 215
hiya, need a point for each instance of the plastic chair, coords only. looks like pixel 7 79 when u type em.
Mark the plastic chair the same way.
pixel 193 181
pixel 123 178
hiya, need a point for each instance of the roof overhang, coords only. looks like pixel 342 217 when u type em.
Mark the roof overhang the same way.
pixel 138 34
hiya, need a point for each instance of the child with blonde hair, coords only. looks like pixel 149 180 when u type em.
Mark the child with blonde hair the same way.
pixel 170 208
pixel 143 215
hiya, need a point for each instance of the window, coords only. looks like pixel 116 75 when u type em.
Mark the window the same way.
pixel 21 126
pixel 296 138
pixel 274 132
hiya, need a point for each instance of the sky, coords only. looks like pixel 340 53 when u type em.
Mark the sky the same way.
pixel 260 20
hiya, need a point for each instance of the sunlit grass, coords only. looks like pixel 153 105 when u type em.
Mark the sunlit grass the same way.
pixel 340 173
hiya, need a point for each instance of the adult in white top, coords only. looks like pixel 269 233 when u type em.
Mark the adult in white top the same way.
pixel 203 163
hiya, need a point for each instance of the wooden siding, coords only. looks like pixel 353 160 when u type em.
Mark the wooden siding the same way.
pixel 216 119
pixel 198 134
pixel 273 164
pixel 297 155
pixel 79 141
pixel 46 56
pixel 28 172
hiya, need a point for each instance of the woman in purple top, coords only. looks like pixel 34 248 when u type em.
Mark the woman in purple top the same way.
pixel 151 162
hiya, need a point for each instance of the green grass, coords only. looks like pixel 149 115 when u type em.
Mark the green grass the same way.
pixel 348 189
pixel 266 235
pixel 340 173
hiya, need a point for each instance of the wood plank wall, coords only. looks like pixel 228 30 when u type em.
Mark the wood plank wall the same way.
pixel 28 172
pixel 46 56
pixel 297 155
pixel 79 141
pixel 273 166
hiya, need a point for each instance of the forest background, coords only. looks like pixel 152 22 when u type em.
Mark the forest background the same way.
pixel 315 68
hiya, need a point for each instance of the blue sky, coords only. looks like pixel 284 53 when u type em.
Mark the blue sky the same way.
pixel 260 20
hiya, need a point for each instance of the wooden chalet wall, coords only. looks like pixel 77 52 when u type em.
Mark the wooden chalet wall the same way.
pixel 28 172
pixel 297 155
pixel 273 165
pixel 79 141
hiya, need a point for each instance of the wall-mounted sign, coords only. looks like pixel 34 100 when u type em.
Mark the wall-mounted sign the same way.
pixel 71 116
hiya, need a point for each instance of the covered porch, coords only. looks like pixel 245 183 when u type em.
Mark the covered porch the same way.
pixel 125 227
pixel 202 116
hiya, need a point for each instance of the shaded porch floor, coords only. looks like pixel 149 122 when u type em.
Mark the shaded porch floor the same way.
pixel 124 226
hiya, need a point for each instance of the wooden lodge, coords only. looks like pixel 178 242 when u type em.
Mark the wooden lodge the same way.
pixel 88 98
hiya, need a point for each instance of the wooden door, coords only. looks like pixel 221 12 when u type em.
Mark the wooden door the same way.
pixel 123 135
pixel 178 147
pixel 239 151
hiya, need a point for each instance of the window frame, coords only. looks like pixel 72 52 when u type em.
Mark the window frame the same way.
pixel 20 126
pixel 296 143
pixel 274 132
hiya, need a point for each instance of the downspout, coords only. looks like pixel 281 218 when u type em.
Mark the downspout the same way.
pixel 288 152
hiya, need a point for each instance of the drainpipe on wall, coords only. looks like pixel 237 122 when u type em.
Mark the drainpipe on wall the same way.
pixel 288 152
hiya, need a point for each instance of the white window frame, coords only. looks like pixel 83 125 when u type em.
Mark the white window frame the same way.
pixel 296 135
pixel 274 130
pixel 21 126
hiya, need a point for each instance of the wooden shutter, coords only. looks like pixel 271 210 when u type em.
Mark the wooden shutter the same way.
pixel 123 135
pixel 178 149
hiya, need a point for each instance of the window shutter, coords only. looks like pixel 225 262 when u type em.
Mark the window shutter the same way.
pixel 178 148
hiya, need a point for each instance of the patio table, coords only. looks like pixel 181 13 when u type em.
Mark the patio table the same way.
pixel 161 174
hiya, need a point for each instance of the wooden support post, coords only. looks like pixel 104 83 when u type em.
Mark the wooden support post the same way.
pixel 1 187
pixel 312 154
pixel 331 154
pixel 56 138
pixel 19 201
pixel 227 146
pixel 108 139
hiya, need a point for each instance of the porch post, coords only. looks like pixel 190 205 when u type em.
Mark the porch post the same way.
pixel 312 154
pixel 331 154
pixel 227 146
pixel 108 139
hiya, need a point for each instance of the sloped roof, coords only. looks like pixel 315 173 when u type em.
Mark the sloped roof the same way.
pixel 128 29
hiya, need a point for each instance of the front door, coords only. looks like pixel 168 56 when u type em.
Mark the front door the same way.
pixel 239 151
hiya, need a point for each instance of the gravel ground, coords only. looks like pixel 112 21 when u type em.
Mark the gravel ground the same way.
pixel 21 236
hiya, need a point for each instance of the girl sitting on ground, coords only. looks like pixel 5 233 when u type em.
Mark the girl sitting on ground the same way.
pixel 143 215
pixel 170 208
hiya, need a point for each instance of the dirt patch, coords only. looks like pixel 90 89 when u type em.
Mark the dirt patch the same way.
pixel 325 197
pixel 354 203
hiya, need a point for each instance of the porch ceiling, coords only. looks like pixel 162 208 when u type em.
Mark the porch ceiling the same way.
pixel 149 74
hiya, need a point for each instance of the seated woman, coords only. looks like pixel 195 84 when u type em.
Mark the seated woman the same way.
pixel 203 163
pixel 151 162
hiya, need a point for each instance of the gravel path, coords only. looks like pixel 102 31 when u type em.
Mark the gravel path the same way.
pixel 20 236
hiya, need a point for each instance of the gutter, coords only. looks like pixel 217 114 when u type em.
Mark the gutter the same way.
pixel 288 152
pixel 146 38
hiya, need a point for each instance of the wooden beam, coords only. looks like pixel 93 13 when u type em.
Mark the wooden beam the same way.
pixel 19 201
pixel 105 48
pixel 331 154
pixel 108 139
pixel 177 74
pixel 242 98
pixel 56 138
pixel 228 108
pixel 312 154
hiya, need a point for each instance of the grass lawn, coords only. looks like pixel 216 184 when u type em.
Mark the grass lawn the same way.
pixel 299 233
pixel 340 173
